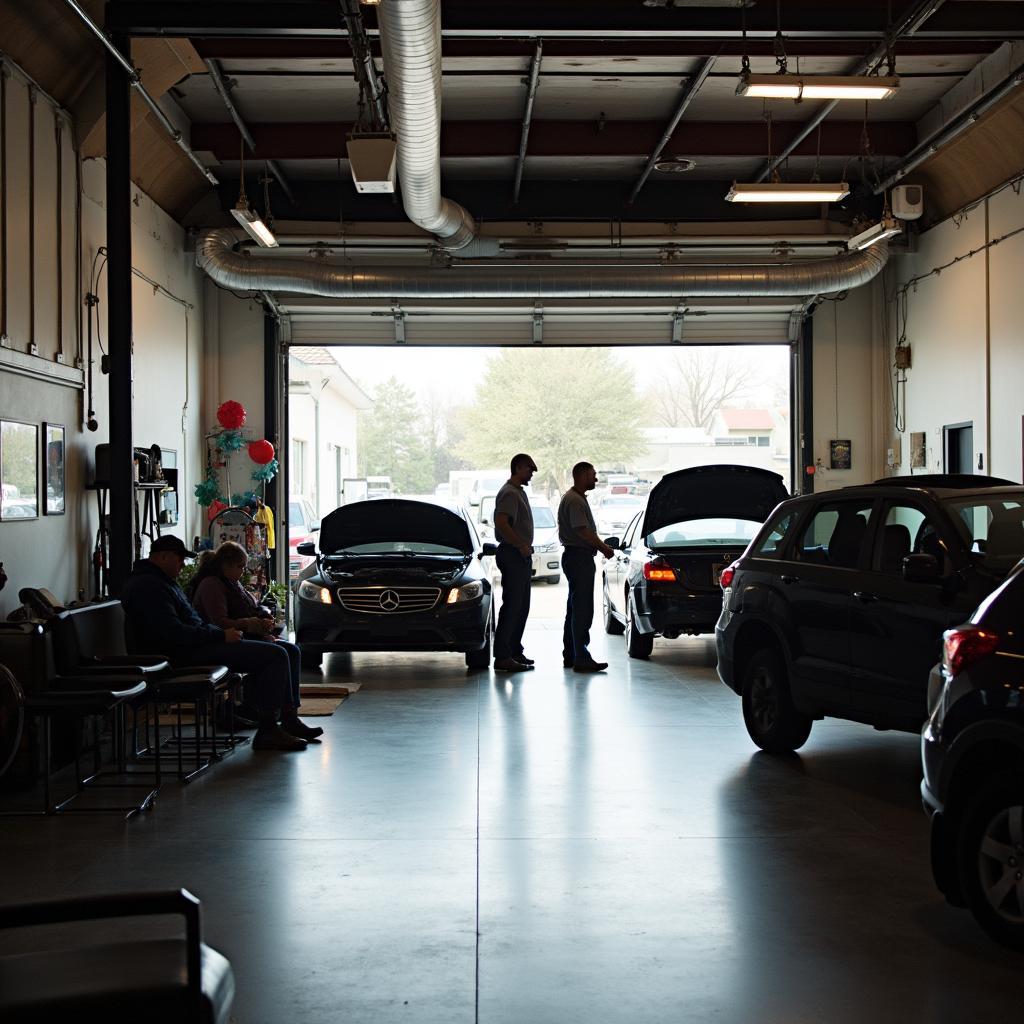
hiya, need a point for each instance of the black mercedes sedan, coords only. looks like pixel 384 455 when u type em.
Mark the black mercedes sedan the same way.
pixel 664 577
pixel 396 575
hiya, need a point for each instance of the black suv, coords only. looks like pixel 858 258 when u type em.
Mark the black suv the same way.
pixel 838 605
pixel 973 753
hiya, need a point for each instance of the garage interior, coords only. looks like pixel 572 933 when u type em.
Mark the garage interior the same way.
pixel 541 846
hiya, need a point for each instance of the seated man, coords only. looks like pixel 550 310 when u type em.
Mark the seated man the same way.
pixel 160 620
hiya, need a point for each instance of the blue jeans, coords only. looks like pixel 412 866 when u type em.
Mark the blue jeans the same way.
pixel 267 670
pixel 578 566
pixel 516 574
pixel 294 663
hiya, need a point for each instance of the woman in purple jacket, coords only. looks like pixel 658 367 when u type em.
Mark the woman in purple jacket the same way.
pixel 218 595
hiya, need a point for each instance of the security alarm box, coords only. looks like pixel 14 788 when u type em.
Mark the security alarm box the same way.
pixel 372 159
pixel 907 202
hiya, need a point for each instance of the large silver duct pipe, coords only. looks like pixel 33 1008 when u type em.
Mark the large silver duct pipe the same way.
pixel 410 39
pixel 215 254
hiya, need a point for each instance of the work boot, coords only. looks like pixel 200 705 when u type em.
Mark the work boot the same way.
pixel 273 737
pixel 294 726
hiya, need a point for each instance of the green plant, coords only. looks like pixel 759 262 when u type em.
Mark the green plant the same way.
pixel 279 592
pixel 186 574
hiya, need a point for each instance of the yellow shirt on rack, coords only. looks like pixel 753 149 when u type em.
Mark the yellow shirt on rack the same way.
pixel 265 516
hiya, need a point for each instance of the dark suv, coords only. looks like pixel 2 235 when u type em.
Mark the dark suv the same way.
pixel 838 605
pixel 973 753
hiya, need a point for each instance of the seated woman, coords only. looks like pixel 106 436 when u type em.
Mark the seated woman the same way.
pixel 218 595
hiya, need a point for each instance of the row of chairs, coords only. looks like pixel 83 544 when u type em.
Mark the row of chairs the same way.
pixel 76 668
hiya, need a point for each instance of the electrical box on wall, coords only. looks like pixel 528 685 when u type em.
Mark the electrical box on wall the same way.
pixel 902 359
pixel 908 202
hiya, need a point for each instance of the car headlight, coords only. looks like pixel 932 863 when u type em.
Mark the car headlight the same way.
pixel 310 590
pixel 467 592
pixel 545 549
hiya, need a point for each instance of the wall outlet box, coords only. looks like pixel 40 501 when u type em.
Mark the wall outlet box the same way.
pixel 902 359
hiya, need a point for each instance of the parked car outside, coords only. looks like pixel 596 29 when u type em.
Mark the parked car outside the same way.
pixel 663 578
pixel 394 574
pixel 838 606
pixel 303 526
pixel 972 749
pixel 547 549
pixel 614 512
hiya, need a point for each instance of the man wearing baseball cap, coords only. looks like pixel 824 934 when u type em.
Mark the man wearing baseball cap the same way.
pixel 160 620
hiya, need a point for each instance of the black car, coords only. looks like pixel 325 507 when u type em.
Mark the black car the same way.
pixel 973 753
pixel 839 605
pixel 663 579
pixel 396 575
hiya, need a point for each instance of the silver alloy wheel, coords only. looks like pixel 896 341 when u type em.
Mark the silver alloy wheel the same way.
pixel 1001 863
pixel 764 699
pixel 606 601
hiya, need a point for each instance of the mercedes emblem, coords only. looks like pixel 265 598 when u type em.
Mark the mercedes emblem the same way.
pixel 389 601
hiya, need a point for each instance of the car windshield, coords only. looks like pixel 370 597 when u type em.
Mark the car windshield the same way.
pixel 993 527
pixel 693 533
pixel 623 502
pixel 398 547
pixel 543 518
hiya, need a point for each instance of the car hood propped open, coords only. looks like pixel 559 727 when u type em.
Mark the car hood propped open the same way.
pixel 393 519
pixel 713 492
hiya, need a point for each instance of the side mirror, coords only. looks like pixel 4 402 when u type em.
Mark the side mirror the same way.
pixel 474 499
pixel 921 569
pixel 314 527
pixel 489 549
pixel 307 547
pixel 485 521
pixel 613 542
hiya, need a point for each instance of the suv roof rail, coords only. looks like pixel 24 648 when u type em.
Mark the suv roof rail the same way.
pixel 954 481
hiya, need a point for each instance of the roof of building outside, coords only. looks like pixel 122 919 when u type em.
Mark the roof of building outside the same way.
pixel 747 419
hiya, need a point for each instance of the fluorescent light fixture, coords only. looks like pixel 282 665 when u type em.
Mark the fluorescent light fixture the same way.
pixel 885 228
pixel 816 87
pixel 783 192
pixel 253 224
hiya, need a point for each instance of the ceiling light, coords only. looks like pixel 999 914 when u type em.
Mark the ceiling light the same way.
pixel 675 165
pixel 816 87
pixel 253 224
pixel 885 228
pixel 783 192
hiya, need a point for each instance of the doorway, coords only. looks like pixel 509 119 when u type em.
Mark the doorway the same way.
pixel 958 448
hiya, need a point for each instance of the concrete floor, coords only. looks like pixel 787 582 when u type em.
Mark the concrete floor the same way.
pixel 551 847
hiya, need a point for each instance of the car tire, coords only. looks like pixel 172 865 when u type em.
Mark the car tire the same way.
pixel 638 645
pixel 772 721
pixel 310 659
pixel 554 580
pixel 990 858
pixel 612 626
pixel 477 660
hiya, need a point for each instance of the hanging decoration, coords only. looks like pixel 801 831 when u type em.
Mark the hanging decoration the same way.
pixel 243 499
pixel 231 415
pixel 266 473
pixel 261 452
pixel 208 491
pixel 215 510
pixel 229 441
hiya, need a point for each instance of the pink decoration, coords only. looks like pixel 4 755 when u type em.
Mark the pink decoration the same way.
pixel 231 415
pixel 215 510
pixel 261 452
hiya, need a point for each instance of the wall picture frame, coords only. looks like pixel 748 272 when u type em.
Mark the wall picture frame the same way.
pixel 53 469
pixel 19 470
pixel 840 454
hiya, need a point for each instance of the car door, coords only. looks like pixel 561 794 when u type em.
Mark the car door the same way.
pixel 816 587
pixel 896 626
pixel 617 567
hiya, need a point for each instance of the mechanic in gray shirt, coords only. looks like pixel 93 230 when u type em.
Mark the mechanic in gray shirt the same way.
pixel 578 534
pixel 513 525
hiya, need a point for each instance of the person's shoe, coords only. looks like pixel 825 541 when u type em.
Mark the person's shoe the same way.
pixel 525 660
pixel 589 666
pixel 273 737
pixel 296 727
pixel 509 665
pixel 524 665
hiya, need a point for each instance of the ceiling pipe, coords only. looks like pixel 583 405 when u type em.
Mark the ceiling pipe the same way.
pixel 363 64
pixel 531 92
pixel 410 37
pixel 216 255
pixel 907 26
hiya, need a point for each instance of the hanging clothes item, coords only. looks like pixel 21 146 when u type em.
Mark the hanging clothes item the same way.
pixel 265 516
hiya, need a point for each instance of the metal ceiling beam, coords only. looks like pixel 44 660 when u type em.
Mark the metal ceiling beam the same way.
pixel 465 139
pixel 909 23
pixel 531 92
pixel 224 91
pixel 689 91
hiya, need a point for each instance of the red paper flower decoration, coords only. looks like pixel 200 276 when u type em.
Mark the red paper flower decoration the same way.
pixel 231 415
pixel 261 452
pixel 215 510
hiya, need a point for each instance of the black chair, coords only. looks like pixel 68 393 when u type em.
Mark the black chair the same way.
pixel 156 980
pixel 39 691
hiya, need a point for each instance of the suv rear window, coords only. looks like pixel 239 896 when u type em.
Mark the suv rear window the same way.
pixel 835 534
pixel 992 528
pixel 771 540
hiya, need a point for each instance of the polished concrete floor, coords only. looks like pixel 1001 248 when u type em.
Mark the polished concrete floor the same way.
pixel 549 847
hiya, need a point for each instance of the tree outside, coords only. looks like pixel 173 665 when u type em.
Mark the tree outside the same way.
pixel 392 440
pixel 696 384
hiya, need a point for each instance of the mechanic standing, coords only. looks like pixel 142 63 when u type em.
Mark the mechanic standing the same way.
pixel 513 525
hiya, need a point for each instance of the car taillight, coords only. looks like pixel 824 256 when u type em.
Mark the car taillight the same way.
pixel 659 571
pixel 727 574
pixel 963 647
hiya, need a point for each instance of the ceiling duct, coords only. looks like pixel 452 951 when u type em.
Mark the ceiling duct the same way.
pixel 410 39
pixel 215 254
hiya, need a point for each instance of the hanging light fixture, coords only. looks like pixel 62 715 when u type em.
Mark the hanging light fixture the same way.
pixel 255 227
pixel 787 192
pixel 786 86
pixel 885 228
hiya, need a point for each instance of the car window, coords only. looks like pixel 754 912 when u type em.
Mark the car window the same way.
pixel 907 530
pixel 697 532
pixel 543 519
pixel 835 534
pixel 992 529
pixel 627 537
pixel 770 543
pixel 296 514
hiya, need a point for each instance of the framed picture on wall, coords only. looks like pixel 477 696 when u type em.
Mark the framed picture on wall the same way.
pixel 53 468
pixel 19 470
pixel 840 454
